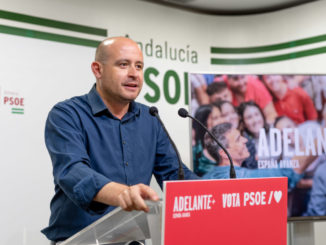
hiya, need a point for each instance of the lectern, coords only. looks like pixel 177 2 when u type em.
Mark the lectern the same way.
pixel 232 211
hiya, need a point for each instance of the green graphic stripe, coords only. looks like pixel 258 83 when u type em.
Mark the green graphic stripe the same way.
pixel 52 23
pixel 292 44
pixel 47 36
pixel 17 109
pixel 268 59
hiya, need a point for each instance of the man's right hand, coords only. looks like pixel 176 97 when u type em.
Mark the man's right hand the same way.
pixel 127 197
pixel 133 198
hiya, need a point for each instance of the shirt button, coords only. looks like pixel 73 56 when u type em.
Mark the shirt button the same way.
pixel 124 142
pixel 127 163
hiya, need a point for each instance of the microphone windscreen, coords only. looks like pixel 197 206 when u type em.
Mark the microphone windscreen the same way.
pixel 183 112
pixel 153 111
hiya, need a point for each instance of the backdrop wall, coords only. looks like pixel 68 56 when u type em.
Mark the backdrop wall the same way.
pixel 45 61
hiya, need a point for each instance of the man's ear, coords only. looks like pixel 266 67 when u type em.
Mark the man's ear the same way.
pixel 97 69
pixel 222 154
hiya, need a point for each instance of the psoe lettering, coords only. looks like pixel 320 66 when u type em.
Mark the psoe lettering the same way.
pixel 254 198
pixel 13 101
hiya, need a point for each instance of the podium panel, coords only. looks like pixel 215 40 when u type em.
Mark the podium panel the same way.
pixel 228 211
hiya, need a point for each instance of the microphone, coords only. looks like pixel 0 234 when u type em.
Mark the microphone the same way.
pixel 184 113
pixel 154 112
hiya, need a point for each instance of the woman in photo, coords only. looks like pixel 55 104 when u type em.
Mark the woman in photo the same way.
pixel 210 116
pixel 252 120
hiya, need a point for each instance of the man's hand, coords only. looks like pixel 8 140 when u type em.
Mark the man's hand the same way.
pixel 127 197
pixel 133 198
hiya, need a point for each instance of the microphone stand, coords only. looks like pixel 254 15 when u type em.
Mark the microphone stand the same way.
pixel 154 112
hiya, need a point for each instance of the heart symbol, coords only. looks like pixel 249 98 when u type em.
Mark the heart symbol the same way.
pixel 277 196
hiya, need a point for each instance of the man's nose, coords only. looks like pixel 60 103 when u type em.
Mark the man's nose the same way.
pixel 132 71
pixel 244 139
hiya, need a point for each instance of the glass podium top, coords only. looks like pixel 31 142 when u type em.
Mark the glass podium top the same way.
pixel 120 226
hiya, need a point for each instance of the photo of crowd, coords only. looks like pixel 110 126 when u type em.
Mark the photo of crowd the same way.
pixel 272 125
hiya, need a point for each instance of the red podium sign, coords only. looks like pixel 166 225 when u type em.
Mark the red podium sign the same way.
pixel 233 211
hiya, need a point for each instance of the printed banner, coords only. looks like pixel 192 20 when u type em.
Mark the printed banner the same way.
pixel 272 125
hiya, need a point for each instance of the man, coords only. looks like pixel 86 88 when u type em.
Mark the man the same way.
pixel 198 91
pixel 245 88
pixel 235 144
pixel 293 103
pixel 104 146
pixel 218 91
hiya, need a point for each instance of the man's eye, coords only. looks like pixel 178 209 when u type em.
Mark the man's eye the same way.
pixel 123 64
pixel 140 67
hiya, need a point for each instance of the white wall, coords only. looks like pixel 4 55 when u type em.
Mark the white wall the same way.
pixel 44 72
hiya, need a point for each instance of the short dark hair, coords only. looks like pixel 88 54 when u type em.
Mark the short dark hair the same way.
pixel 279 118
pixel 234 76
pixel 220 103
pixel 202 114
pixel 219 132
pixel 216 87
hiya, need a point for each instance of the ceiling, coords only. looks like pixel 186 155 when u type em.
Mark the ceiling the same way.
pixel 231 7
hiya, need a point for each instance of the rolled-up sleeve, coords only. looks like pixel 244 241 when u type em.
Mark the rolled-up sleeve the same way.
pixel 72 170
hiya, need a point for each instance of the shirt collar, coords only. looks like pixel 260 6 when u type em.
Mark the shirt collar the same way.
pixel 98 105
pixel 95 101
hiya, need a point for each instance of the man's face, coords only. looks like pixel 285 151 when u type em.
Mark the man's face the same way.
pixel 121 76
pixel 238 83
pixel 223 95
pixel 287 123
pixel 237 145
pixel 274 82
